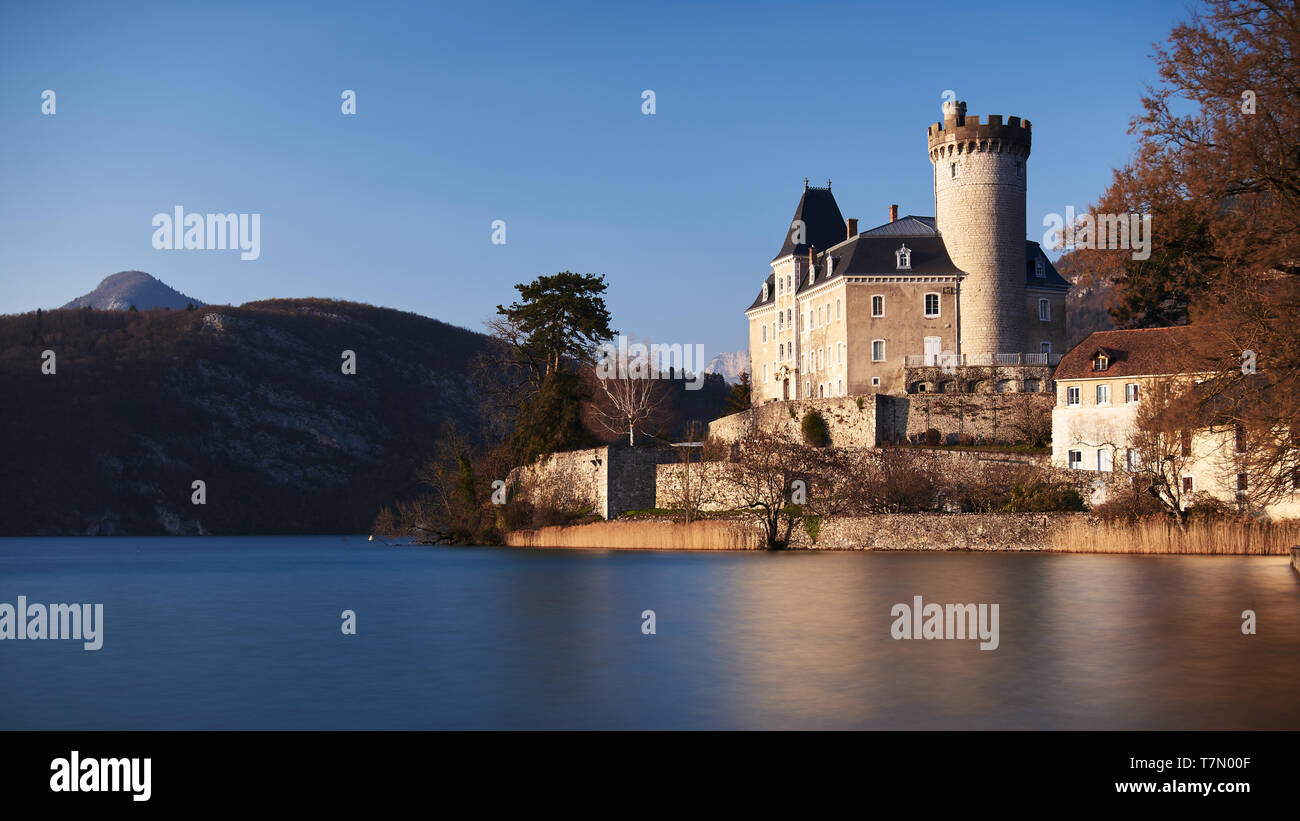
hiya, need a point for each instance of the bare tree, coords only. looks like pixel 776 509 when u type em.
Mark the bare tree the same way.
pixel 628 397
pixel 1163 434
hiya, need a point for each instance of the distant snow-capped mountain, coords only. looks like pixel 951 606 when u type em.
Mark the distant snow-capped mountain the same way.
pixel 729 364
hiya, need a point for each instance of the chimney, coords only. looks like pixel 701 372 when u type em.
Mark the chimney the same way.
pixel 850 229
pixel 893 213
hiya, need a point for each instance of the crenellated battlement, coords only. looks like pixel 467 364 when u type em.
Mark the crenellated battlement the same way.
pixel 959 134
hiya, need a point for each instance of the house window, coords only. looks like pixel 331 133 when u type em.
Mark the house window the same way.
pixel 1039 270
pixel 1104 458
pixel 1188 484
pixel 1131 393
pixel 875 383
pixel 877 305
pixel 877 350
pixel 1071 396
pixel 1045 310
pixel 1131 460
pixel 1103 394
pixel 904 255
pixel 931 305
pixel 1101 362
pixel 1240 436
pixel 1076 460
pixel 1241 483
pixel 1185 442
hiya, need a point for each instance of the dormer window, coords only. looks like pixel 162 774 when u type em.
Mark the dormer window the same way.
pixel 1100 362
pixel 765 292
pixel 1039 270
pixel 812 274
pixel 904 255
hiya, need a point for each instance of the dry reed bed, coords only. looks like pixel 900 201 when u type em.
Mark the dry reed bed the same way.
pixel 1207 538
pixel 699 535
pixel 1073 535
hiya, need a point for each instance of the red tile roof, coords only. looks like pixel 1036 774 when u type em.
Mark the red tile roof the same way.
pixel 1141 352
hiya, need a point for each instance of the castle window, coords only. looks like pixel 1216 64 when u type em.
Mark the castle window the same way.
pixel 931 305
pixel 1189 485
pixel 1020 172
pixel 877 350
pixel 877 305
pixel 1045 348
pixel 764 332
pixel 840 387
pixel 1240 432
pixel 1045 310
pixel 780 321
pixel 904 255
pixel 1185 442
pixel 952 170
pixel 1039 270
pixel 837 309
pixel 819 316
pixel 780 352
pixel 789 282
pixel 789 317
pixel 764 371
pixel 765 292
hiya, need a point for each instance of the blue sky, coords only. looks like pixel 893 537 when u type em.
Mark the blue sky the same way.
pixel 527 113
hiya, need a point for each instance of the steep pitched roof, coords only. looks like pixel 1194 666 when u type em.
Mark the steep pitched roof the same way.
pixel 1051 279
pixel 908 226
pixel 1140 352
pixel 823 223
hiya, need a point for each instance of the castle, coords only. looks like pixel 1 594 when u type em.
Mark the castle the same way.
pixel 959 302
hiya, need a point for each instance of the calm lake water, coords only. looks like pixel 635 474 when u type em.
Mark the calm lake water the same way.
pixel 214 633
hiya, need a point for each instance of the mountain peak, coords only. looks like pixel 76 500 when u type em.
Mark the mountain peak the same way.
pixel 120 291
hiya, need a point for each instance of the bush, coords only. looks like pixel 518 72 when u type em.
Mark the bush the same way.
pixel 812 525
pixel 860 403
pixel 932 437
pixel 814 430
pixel 965 439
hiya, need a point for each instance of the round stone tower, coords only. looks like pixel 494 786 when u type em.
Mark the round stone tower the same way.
pixel 979 209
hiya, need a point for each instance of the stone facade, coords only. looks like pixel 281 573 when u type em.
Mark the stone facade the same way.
pixel 609 480
pixel 881 419
pixel 979 204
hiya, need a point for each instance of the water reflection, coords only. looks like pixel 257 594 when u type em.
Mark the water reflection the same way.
pixel 243 633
